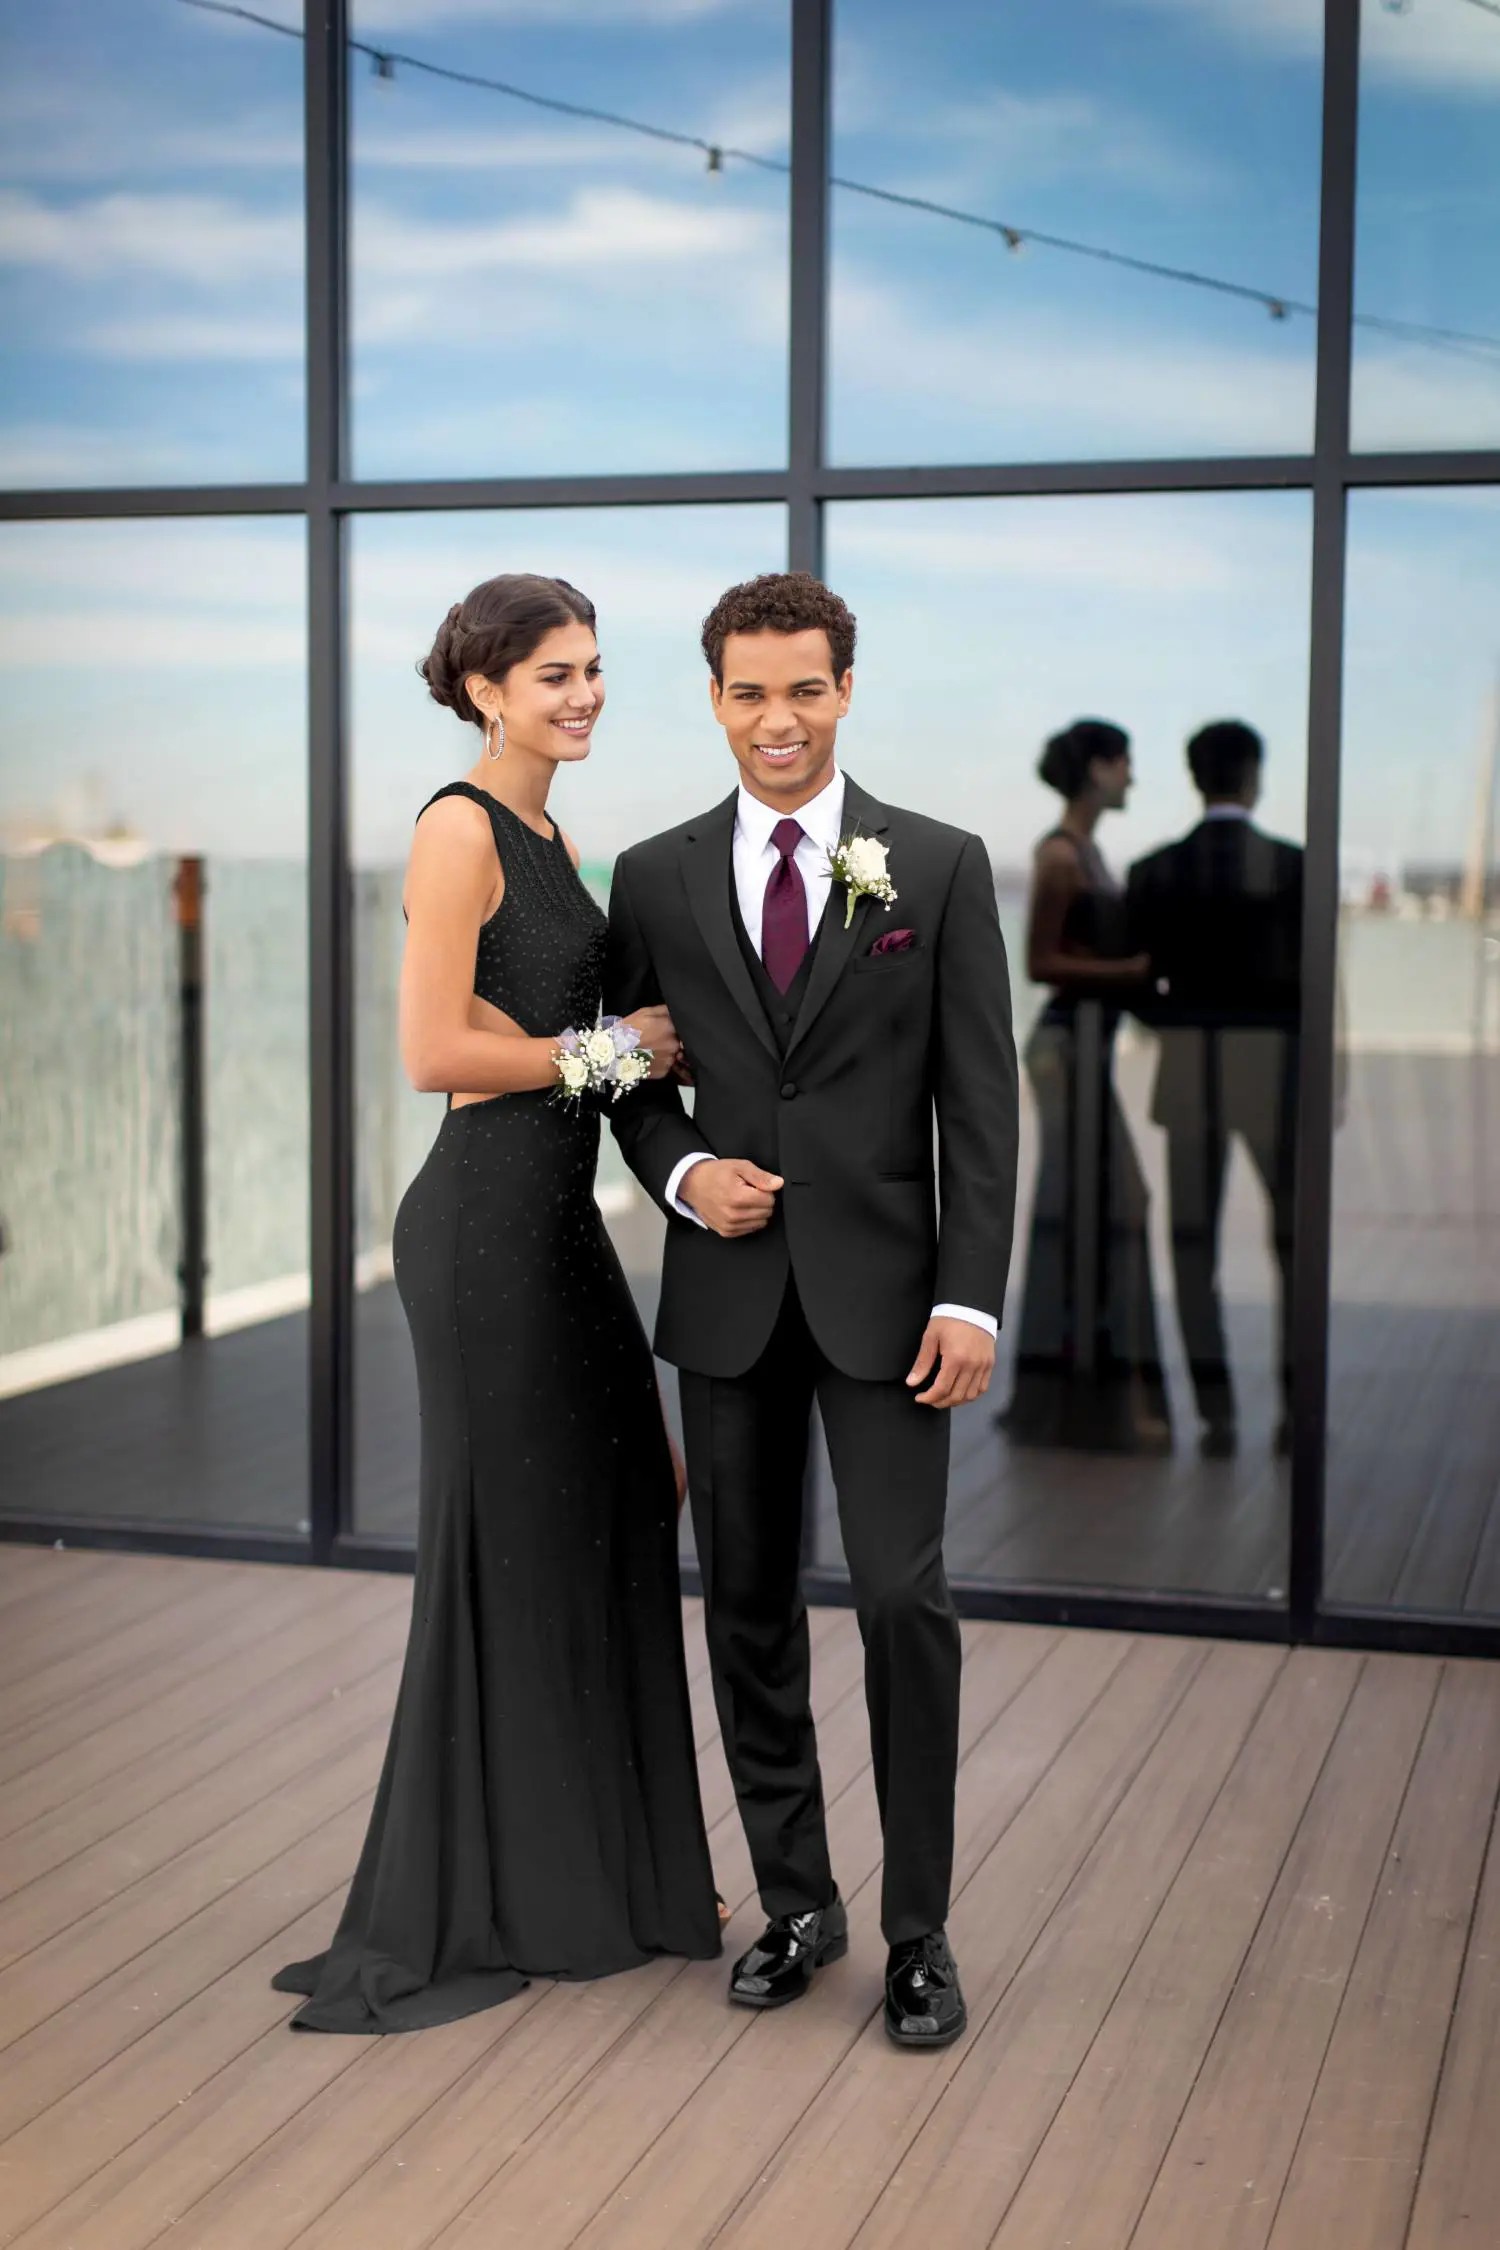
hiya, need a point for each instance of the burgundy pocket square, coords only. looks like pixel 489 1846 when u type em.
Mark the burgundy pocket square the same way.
pixel 895 941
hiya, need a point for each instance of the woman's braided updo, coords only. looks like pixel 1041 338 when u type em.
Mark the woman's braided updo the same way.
pixel 499 624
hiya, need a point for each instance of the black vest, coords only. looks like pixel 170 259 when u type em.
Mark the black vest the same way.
pixel 782 1008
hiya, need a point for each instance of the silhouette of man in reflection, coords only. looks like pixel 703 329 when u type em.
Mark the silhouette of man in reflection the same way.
pixel 1220 914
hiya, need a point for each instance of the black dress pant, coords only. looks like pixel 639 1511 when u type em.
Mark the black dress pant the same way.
pixel 747 1444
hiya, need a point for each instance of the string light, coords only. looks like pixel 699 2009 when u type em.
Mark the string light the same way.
pixel 717 154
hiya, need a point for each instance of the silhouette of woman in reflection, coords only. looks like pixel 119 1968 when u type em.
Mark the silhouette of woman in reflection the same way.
pixel 1088 1363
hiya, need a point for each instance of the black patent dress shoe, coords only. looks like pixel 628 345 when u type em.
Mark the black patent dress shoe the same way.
pixel 780 1966
pixel 924 2001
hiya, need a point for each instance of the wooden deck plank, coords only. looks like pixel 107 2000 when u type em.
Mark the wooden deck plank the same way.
pixel 594 2140
pixel 956 2176
pixel 266 1599
pixel 82 2035
pixel 1227 2163
pixel 1458 2193
pixel 399 2190
pixel 1356 2167
pixel 260 1662
pixel 281 1704
pixel 261 2139
pixel 289 1766
pixel 1047 1781
pixel 1202 1948
pixel 1089 2179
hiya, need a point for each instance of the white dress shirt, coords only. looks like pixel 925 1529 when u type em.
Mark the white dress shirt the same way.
pixel 755 860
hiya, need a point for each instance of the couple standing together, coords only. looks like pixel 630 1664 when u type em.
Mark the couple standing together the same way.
pixel 538 1813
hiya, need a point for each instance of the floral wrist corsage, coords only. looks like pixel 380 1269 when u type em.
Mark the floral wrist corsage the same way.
pixel 607 1060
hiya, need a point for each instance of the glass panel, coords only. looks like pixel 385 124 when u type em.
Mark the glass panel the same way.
pixel 150 246
pixel 1125 257
pixel 1427 277
pixel 1413 1504
pixel 1134 1438
pixel 652 575
pixel 540 287
pixel 153 1022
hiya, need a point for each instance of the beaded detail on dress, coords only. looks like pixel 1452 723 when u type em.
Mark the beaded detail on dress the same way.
pixel 540 956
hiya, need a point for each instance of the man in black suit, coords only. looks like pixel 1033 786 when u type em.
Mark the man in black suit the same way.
pixel 811 1254
pixel 1220 915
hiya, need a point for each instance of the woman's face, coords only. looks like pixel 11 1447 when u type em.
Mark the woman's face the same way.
pixel 1110 779
pixel 551 699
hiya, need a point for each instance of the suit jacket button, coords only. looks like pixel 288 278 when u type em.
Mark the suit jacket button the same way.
pixel 788 1092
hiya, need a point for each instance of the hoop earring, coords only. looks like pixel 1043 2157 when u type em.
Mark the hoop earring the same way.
pixel 494 747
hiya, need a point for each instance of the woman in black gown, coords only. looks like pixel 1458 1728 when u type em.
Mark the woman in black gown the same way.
pixel 538 1812
pixel 1088 1373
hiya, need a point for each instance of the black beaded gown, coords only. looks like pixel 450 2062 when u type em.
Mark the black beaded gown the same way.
pixel 538 1813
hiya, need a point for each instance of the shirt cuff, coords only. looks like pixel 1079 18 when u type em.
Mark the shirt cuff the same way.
pixel 984 1320
pixel 675 1178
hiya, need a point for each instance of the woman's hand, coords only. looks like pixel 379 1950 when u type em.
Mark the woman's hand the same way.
pixel 657 1032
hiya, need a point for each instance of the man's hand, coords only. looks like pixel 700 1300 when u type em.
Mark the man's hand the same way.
pixel 967 1357
pixel 731 1195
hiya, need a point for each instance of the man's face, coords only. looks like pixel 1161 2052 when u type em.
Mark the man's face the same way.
pixel 780 706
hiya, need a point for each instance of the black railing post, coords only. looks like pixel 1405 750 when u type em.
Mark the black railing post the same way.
pixel 192 1268
pixel 330 1055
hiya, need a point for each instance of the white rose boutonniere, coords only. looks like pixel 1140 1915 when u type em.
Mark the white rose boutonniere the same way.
pixel 860 865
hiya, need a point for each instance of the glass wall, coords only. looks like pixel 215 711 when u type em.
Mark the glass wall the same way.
pixel 577 248
pixel 153 1022
pixel 569 239
pixel 1136 1435
pixel 1073 232
pixel 1427 279
pixel 651 574
pixel 150 246
pixel 1413 1506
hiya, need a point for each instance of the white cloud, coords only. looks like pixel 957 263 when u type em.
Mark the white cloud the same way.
pixel 1015 378
pixel 375 17
pixel 183 238
pixel 613 229
pixel 1441 44
pixel 234 337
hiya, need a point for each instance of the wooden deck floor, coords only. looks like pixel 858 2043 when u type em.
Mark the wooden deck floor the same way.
pixel 1228 1918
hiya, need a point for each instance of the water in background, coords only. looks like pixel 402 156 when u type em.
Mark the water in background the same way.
pixel 90 1072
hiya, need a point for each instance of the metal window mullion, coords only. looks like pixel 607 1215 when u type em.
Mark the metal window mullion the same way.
pixel 807 364
pixel 330 1057
pixel 1314 1181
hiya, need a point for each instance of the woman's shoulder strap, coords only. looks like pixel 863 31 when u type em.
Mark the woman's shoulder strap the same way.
pixel 460 789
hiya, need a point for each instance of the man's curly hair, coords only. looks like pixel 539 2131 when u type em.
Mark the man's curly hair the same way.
pixel 781 601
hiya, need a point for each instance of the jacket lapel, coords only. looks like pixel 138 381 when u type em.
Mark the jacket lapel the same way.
pixel 863 816
pixel 707 872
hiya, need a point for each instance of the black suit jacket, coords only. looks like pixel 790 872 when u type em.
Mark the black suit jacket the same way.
pixel 882 1045
pixel 1220 914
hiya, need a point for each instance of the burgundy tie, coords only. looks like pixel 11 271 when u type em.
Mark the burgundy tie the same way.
pixel 783 932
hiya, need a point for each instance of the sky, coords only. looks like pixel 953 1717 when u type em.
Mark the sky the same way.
pixel 534 294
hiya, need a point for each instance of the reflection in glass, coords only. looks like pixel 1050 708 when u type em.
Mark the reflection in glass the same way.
pixel 536 291
pixel 1088 1363
pixel 1427 277
pixel 1135 1435
pixel 652 575
pixel 1090 141
pixel 153 1022
pixel 150 247
pixel 1412 1520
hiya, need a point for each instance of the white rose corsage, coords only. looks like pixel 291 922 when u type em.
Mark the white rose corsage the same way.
pixel 609 1059
pixel 859 864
